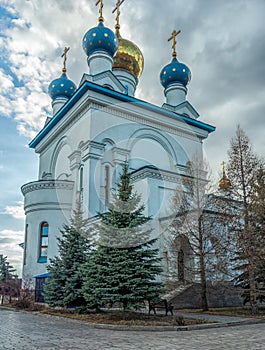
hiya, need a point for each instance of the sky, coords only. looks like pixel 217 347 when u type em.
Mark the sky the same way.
pixel 222 42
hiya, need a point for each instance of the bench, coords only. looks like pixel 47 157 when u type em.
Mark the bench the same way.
pixel 163 304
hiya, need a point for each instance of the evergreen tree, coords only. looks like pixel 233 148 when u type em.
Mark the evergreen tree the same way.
pixel 124 265
pixel 243 169
pixel 6 270
pixel 63 287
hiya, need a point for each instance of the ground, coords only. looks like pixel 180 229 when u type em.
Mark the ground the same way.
pixel 32 331
pixel 127 318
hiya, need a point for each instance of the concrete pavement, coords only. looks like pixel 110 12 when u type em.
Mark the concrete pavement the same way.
pixel 24 330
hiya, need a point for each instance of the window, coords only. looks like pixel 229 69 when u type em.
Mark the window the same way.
pixel 81 179
pixel 44 229
pixel 25 244
pixel 107 184
pixel 39 288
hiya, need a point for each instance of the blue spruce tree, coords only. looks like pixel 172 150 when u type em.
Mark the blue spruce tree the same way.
pixel 64 286
pixel 123 267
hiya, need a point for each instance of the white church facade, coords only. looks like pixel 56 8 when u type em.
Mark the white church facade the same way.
pixel 95 128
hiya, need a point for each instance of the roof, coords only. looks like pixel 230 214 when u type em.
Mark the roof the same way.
pixel 89 86
pixel 43 275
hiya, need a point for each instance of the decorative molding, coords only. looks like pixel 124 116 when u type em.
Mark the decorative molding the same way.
pixel 47 185
pixel 147 110
pixel 155 173
pixel 120 155
pixel 142 119
pixel 92 149
pixel 75 159
pixel 183 130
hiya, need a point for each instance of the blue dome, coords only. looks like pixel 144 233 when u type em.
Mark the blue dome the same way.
pixel 61 87
pixel 100 38
pixel 175 72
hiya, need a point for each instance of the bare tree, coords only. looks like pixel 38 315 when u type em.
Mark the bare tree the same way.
pixel 243 169
pixel 199 219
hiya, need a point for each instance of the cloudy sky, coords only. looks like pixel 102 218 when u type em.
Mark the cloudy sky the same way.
pixel 222 41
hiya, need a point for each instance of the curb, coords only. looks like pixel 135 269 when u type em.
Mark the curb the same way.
pixel 114 327
pixel 149 328
pixel 171 328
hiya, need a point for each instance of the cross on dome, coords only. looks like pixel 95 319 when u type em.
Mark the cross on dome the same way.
pixel 224 183
pixel 117 8
pixel 100 18
pixel 223 166
pixel 62 87
pixel 66 49
pixel 174 43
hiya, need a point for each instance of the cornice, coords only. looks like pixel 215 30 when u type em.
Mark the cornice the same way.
pixel 47 185
pixel 143 106
pixel 147 120
pixel 149 172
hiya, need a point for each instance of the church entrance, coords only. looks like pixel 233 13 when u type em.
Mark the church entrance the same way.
pixel 180 260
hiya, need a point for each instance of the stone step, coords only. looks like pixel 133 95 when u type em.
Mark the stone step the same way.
pixel 177 291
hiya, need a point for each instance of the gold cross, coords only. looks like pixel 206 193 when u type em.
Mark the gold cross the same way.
pixel 174 43
pixel 223 168
pixel 117 8
pixel 100 19
pixel 66 49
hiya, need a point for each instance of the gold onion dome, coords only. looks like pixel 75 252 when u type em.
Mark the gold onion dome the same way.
pixel 129 57
pixel 224 183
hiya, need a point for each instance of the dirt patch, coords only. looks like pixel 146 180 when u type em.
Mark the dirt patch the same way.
pixel 125 318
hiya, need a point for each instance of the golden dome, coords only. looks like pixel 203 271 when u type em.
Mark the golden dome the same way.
pixel 129 57
pixel 224 183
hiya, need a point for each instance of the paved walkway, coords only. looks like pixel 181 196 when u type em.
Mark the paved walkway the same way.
pixel 230 320
pixel 32 331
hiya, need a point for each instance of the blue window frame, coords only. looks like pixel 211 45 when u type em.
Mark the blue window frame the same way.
pixel 43 251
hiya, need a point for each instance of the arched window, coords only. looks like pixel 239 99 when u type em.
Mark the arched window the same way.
pixel 44 230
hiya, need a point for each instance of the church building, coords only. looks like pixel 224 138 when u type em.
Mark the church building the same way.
pixel 98 125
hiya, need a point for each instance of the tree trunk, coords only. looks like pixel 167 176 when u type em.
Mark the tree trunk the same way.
pixel 202 269
pixel 252 287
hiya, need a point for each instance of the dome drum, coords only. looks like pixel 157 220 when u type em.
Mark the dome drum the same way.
pixel 99 62
pixel 175 94
pixel 58 103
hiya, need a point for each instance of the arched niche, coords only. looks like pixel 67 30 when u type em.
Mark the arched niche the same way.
pixel 60 165
pixel 150 147
pixel 181 260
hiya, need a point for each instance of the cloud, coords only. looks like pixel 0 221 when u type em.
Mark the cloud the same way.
pixel 221 42
pixel 9 240
pixel 6 82
pixel 17 211
pixel 223 56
